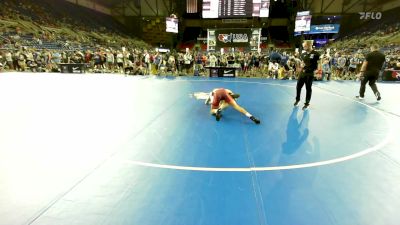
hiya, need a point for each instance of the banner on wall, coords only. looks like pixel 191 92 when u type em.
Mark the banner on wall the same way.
pixel 325 29
pixel 321 29
pixel 233 38
pixel 320 42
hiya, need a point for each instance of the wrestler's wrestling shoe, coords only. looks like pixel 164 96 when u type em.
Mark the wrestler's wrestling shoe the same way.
pixel 255 120
pixel 218 115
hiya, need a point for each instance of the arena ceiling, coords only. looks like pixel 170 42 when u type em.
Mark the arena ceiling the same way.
pixel 109 3
pixel 343 7
pixel 165 7
pixel 133 7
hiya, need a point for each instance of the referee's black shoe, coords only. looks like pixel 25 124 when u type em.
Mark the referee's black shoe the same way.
pixel 360 97
pixel 306 105
pixel 378 96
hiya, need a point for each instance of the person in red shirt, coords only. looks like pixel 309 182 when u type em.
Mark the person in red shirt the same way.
pixel 221 98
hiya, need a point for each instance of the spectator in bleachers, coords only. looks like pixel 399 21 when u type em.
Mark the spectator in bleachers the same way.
pixel 120 61
pixel 98 63
pixel 110 60
pixel 353 61
pixel 187 59
pixel 56 57
pixel 326 69
pixel 273 69
pixel 397 66
pixel 171 64
pixel 341 66
pixel 8 59
pixel 212 59
pixel 22 61
pixel 15 56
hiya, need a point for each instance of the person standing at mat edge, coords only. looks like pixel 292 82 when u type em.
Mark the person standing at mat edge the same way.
pixel 370 71
pixel 310 59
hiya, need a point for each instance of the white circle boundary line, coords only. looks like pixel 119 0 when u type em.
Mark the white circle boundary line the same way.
pixel 274 168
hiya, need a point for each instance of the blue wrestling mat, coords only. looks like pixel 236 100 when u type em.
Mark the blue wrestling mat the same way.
pixel 108 149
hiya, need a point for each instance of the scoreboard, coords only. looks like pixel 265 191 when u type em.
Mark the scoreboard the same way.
pixel 235 8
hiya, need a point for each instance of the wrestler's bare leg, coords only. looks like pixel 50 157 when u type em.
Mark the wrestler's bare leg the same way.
pixel 243 111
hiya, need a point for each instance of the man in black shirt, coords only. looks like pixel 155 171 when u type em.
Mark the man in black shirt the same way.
pixel 370 71
pixel 310 59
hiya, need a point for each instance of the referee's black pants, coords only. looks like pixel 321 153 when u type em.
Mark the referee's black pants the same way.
pixel 307 79
pixel 369 77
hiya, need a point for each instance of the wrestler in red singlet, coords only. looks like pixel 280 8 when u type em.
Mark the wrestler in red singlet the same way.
pixel 219 95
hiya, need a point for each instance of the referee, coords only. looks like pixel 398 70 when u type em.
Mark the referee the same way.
pixel 370 71
pixel 310 60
